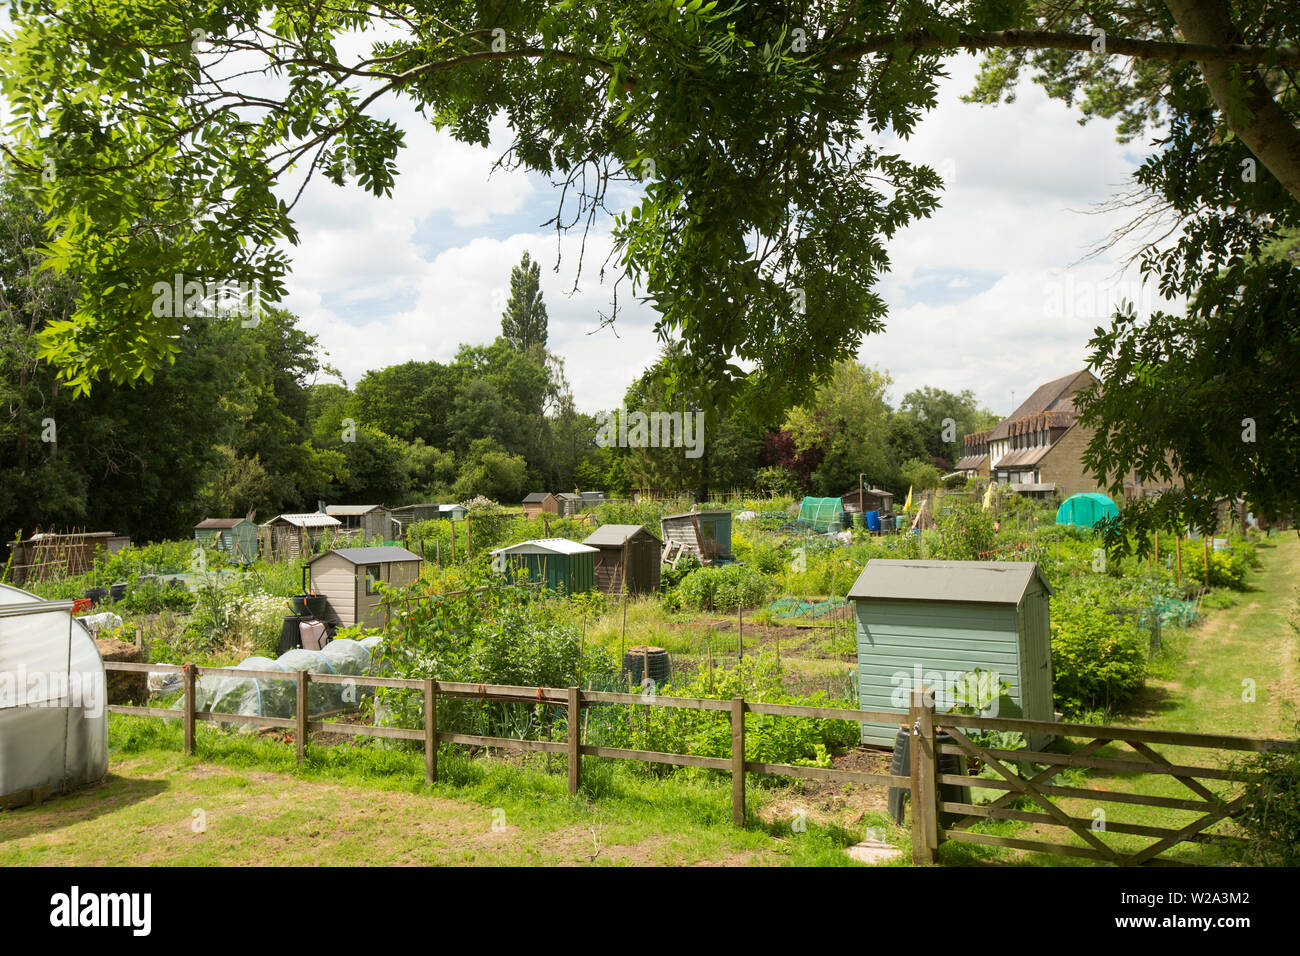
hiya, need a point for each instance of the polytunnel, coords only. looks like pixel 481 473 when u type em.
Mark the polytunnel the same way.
pixel 53 702
pixel 269 697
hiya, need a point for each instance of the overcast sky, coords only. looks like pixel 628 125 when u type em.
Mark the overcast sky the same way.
pixel 975 293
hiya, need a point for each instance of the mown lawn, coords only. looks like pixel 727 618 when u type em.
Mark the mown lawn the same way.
pixel 242 801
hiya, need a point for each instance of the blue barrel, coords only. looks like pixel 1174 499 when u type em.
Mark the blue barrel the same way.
pixel 873 521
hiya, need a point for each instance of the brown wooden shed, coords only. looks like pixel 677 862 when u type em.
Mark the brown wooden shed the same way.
pixel 868 499
pixel 626 554
pixel 347 577
pixel 539 501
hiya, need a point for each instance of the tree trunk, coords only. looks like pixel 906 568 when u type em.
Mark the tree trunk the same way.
pixel 1253 115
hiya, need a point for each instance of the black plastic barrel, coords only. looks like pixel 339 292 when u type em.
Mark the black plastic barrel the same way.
pixel 637 660
pixel 117 591
pixel 948 763
pixel 95 595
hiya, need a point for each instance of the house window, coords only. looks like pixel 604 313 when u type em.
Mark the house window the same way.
pixel 372 579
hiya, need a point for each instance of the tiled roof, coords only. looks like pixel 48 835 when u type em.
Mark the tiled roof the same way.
pixel 1056 395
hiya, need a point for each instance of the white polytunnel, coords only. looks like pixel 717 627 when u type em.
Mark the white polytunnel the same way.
pixel 53 700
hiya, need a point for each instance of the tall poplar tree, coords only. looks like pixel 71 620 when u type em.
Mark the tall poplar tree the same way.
pixel 524 321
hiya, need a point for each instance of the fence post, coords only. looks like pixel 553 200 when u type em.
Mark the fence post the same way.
pixel 925 816
pixel 575 738
pixel 738 761
pixel 189 672
pixel 302 715
pixel 430 731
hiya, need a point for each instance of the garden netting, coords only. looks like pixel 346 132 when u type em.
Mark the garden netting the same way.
pixel 798 607
pixel 269 697
pixel 818 514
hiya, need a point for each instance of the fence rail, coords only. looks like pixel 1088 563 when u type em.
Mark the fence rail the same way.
pixel 1021 773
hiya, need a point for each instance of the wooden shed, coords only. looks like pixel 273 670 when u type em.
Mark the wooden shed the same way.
pixel 290 535
pixel 868 499
pixel 372 521
pixel 705 534
pixel 539 501
pixel 626 554
pixel 347 577
pixel 234 536
pixel 562 564
pixel 925 623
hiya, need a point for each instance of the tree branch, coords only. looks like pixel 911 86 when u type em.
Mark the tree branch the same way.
pixel 1082 43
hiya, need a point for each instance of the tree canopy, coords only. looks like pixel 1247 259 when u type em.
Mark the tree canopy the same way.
pixel 162 142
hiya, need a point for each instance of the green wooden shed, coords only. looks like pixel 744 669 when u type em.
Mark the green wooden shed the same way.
pixel 925 623
pixel 235 536
pixel 563 564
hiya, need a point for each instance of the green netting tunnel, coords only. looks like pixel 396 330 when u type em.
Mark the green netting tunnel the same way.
pixel 1085 510
pixel 818 513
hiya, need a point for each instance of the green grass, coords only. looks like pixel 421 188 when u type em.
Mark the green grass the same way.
pixel 369 805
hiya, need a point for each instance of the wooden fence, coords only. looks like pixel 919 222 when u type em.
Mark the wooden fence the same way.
pixel 1023 773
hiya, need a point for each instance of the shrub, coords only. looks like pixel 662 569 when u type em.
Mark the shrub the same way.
pixel 723 588
pixel 771 739
pixel 1271 808
pixel 1228 569
pixel 1097 659
pixel 967 531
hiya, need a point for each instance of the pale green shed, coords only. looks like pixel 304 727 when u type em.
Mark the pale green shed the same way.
pixel 236 536
pixel 926 623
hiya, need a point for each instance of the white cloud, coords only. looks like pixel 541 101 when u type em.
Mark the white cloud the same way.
pixel 1019 209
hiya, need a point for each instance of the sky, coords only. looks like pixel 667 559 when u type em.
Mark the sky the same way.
pixel 989 294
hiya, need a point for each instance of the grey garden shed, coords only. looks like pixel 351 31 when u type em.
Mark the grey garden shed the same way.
pixel 924 623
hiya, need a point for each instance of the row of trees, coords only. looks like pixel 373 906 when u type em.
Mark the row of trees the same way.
pixel 247 417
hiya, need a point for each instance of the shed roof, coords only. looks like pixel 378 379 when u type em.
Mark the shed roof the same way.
pixel 377 555
pixel 350 510
pixel 537 497
pixel 691 514
pixel 315 519
pixel 218 523
pixel 614 535
pixel 546 546
pixel 968 582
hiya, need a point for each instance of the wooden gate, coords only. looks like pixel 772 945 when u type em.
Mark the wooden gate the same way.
pixel 1032 775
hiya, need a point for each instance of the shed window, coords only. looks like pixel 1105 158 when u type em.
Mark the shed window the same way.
pixel 372 579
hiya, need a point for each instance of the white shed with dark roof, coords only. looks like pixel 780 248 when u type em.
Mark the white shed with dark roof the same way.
pixel 924 623
pixel 349 579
